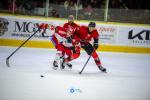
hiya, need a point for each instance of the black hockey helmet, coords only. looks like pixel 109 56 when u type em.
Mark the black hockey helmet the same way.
pixel 92 24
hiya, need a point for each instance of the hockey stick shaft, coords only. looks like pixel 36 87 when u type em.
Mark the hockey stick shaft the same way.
pixel 85 64
pixel 7 59
pixel 87 61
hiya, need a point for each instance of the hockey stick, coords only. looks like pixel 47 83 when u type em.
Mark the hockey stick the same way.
pixel 7 59
pixel 85 63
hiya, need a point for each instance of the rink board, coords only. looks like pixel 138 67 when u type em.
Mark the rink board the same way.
pixel 43 44
pixel 114 37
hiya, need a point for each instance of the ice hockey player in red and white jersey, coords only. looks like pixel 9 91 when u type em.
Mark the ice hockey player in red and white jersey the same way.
pixel 74 48
pixel 71 25
pixel 85 35
pixel 59 39
pixel 66 49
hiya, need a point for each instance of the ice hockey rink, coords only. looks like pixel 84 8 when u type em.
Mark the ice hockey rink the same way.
pixel 128 77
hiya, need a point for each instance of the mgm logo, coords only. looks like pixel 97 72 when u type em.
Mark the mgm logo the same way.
pixel 3 26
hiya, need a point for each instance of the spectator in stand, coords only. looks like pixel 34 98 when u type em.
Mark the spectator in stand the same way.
pixel 95 3
pixel 102 4
pixel 28 7
pixel 72 5
pixel 67 3
pixel 88 11
pixel 12 4
pixel 117 4
pixel 123 4
pixel 55 13
pixel 79 6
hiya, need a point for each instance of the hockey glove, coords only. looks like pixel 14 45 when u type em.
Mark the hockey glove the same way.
pixel 95 43
pixel 69 39
pixel 95 46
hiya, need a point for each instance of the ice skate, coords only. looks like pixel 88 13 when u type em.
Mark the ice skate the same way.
pixel 69 65
pixel 102 69
pixel 62 64
pixel 55 65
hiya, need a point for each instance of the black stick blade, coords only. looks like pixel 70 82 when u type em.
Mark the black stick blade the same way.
pixel 80 72
pixel 7 62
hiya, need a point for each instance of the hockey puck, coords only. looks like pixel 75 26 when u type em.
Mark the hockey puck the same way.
pixel 42 76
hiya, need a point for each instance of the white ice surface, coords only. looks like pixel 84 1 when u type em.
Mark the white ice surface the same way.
pixel 128 77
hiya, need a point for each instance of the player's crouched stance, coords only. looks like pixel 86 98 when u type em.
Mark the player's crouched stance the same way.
pixel 58 39
pixel 66 49
pixel 85 35
pixel 63 45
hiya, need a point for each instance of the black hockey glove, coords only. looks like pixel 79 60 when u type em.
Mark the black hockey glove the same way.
pixel 95 43
pixel 95 46
pixel 69 39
